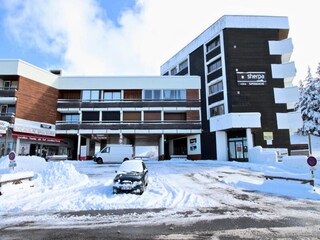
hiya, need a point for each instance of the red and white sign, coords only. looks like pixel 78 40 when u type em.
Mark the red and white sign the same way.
pixel 312 161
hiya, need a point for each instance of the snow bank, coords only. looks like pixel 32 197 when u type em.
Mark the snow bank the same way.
pixel 60 175
pixel 259 155
pixel 299 162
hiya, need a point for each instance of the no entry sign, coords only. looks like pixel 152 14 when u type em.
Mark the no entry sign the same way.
pixel 312 161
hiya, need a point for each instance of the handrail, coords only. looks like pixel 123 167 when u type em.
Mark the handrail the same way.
pixel 131 122
pixel 125 100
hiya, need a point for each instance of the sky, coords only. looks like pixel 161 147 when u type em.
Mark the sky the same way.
pixel 135 37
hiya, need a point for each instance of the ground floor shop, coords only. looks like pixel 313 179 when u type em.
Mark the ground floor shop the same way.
pixel 152 146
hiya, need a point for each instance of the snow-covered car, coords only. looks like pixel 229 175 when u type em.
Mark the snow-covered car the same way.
pixel 132 177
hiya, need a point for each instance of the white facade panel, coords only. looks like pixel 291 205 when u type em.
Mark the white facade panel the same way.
pixel 153 82
pixel 8 100
pixel 286 95
pixel 290 120
pixel 222 146
pixel 235 120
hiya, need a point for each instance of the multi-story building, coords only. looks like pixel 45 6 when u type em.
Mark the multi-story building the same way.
pixel 246 84
pixel 67 114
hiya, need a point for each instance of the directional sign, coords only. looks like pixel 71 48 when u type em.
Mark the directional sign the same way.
pixel 312 161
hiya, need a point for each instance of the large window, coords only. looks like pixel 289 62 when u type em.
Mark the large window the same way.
pixel 213 44
pixel 174 94
pixel 111 116
pixel 112 95
pixel 70 118
pixel 173 71
pixel 215 88
pixel 89 95
pixel 90 116
pixel 7 109
pixel 217 110
pixel 214 66
pixel 152 94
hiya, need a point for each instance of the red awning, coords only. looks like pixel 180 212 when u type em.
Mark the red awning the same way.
pixel 37 138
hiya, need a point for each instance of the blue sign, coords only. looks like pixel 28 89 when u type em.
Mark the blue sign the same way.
pixel 312 161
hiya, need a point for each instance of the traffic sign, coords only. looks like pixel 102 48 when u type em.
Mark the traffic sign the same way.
pixel 12 155
pixel 312 161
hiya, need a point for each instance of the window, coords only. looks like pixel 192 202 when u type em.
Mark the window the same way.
pixel 174 94
pixel 70 118
pixel 132 94
pixel 7 84
pixel 214 44
pixel 111 116
pixel 183 65
pixel 152 94
pixel 132 116
pixel 175 116
pixel 112 95
pixel 90 116
pixel 88 95
pixel 215 88
pixel 217 110
pixel 214 66
pixel 152 116
pixel 173 71
pixel 4 109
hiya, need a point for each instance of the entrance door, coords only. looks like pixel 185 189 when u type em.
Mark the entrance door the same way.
pixel 238 150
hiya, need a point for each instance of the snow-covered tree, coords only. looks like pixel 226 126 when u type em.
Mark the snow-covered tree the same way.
pixel 309 103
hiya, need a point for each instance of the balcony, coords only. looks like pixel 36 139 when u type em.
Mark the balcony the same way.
pixel 7 117
pixel 129 125
pixel 290 120
pixel 283 48
pixel 8 92
pixel 65 104
pixel 235 120
pixel 287 71
pixel 286 95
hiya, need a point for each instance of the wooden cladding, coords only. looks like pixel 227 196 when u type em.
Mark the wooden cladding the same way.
pixel 36 101
pixel 152 116
pixel 76 94
pixel 192 94
pixel 131 116
pixel 133 94
pixel 193 115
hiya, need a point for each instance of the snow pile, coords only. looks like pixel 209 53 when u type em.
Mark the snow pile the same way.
pixel 60 175
pixel 25 163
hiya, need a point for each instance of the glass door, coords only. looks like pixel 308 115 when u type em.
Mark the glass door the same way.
pixel 238 150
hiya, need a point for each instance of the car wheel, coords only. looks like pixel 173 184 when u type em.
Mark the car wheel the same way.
pixel 99 160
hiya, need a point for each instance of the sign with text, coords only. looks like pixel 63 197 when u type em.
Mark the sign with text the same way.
pixel 3 127
pixel 251 78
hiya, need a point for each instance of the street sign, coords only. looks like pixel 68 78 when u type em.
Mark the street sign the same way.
pixel 3 127
pixel 12 155
pixel 312 161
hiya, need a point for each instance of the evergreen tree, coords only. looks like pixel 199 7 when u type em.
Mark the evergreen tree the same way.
pixel 309 103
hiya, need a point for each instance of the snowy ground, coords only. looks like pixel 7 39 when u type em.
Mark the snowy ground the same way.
pixel 175 187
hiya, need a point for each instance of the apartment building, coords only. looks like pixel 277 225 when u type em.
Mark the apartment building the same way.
pixel 77 116
pixel 246 84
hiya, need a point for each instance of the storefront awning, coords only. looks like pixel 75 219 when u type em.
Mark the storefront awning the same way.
pixel 37 138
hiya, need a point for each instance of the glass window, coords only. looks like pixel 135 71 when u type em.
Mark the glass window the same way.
pixel 174 71
pixel 217 110
pixel 88 95
pixel 214 44
pixel 215 88
pixel 152 94
pixel 174 94
pixel 112 95
pixel 4 109
pixel 183 65
pixel 69 118
pixel 214 66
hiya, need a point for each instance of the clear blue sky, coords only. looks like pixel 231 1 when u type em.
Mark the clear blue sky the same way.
pixel 135 37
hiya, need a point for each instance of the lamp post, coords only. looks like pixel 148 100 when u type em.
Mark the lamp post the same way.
pixel 310 147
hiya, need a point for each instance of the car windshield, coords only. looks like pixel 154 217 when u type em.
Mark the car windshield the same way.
pixel 131 166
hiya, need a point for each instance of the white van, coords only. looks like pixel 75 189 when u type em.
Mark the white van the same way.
pixel 114 153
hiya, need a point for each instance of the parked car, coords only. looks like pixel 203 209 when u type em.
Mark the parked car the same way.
pixel 132 177
pixel 114 153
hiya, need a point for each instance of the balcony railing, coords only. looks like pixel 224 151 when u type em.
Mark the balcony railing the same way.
pixel 7 117
pixel 77 103
pixel 8 92
pixel 137 125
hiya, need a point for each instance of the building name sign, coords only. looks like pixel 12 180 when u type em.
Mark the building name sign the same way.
pixel 251 78
pixel 3 127
pixel 32 127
